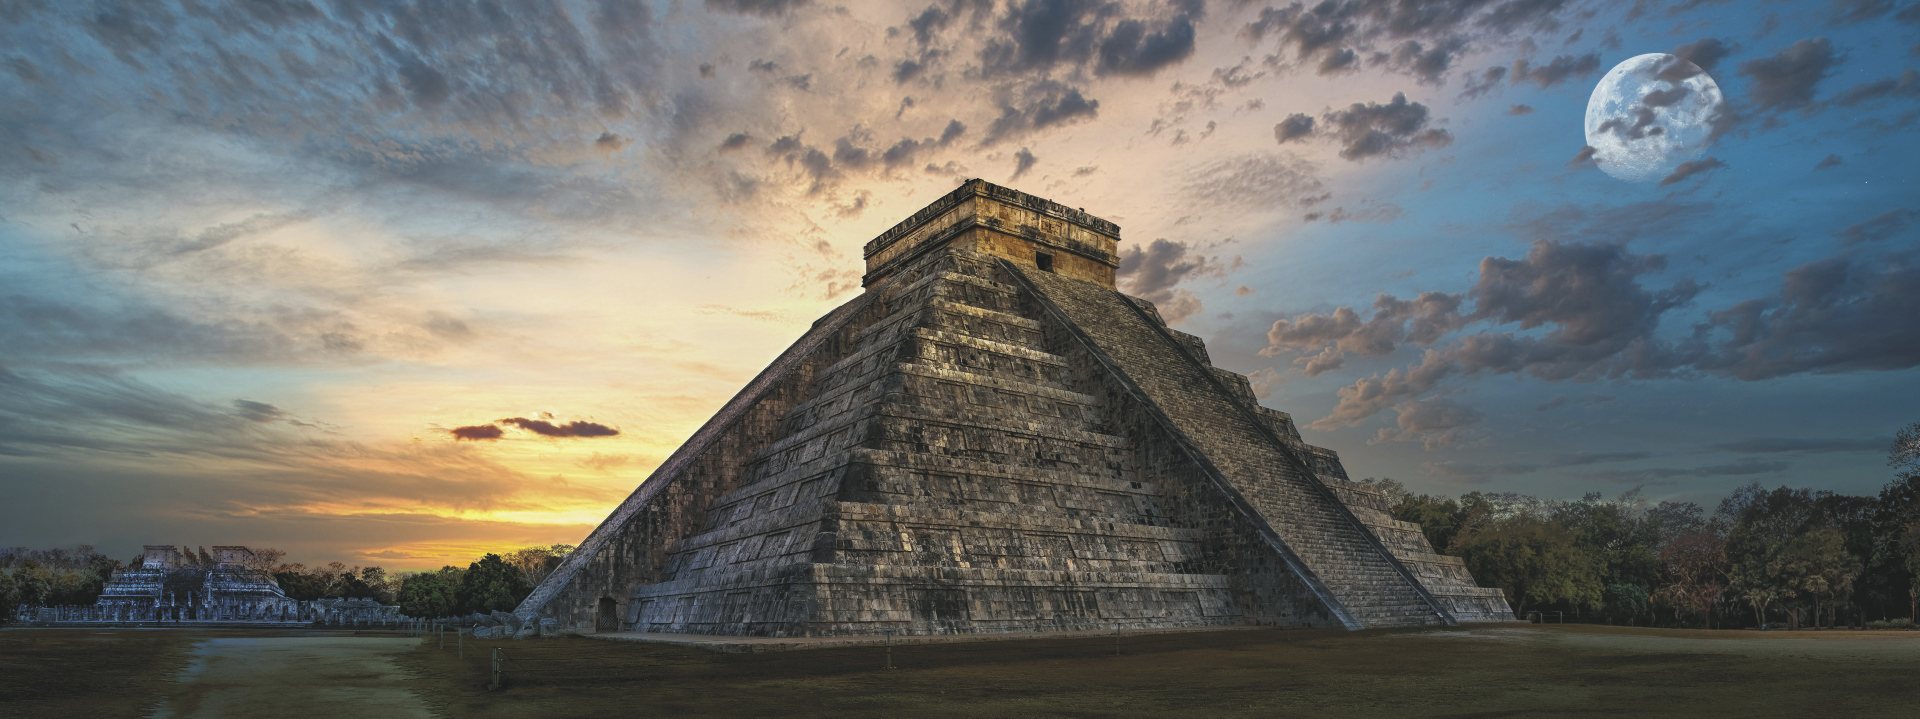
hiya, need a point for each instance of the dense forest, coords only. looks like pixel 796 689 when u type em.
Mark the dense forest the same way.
pixel 1780 557
pixel 1784 557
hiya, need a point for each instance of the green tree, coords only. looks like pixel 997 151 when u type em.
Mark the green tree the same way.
pixel 300 585
pixel 431 594
pixel 1752 578
pixel 9 598
pixel 535 563
pixel 1618 536
pixel 1696 567
pixel 36 584
pixel 1763 522
pixel 1894 564
pixel 492 585
pixel 1534 561
pixel 1626 601
pixel 1440 519
pixel 1817 567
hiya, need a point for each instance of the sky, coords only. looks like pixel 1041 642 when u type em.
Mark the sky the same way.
pixel 396 282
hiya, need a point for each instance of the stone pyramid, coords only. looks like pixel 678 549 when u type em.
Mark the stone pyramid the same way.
pixel 991 438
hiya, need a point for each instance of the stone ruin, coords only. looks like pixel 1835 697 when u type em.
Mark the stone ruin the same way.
pixel 992 438
pixel 168 588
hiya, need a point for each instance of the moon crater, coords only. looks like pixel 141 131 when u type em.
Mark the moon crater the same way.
pixel 1651 113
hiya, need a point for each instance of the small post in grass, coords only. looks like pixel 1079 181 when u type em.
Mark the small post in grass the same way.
pixel 496 670
pixel 460 641
pixel 443 637
pixel 889 649
pixel 1116 640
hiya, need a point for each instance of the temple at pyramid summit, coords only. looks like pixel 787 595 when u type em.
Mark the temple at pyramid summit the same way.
pixel 992 438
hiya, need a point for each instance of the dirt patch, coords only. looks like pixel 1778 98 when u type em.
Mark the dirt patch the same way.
pixel 53 673
pixel 293 677
pixel 1498 671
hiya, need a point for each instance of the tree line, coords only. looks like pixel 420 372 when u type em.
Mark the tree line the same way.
pixel 1782 556
pixel 65 576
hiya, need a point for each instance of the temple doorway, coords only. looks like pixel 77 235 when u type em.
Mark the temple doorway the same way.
pixel 608 619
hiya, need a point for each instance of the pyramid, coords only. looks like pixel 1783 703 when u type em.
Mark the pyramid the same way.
pixel 992 438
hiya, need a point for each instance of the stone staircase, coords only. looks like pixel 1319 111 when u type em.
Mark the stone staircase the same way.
pixel 1331 546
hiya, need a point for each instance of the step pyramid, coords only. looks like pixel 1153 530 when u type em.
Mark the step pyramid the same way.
pixel 992 438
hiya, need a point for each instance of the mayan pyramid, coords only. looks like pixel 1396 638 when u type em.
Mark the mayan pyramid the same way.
pixel 992 438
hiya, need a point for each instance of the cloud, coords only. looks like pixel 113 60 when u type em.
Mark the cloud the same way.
pixel 575 428
pixel 1426 63
pixel 610 142
pixel 493 430
pixel 1435 423
pixel 1599 319
pixel 1152 272
pixel 1041 106
pixel 1518 110
pixel 1877 228
pixel 1422 320
pixel 1691 168
pixel 476 432
pixel 1852 11
pixel 1369 212
pixel 1259 181
pixel 1699 56
pixel 258 411
pixel 604 462
pixel 1297 126
pixel 766 8
pixel 1023 161
pixel 1787 80
pixel 1841 314
pixel 1561 400
pixel 1395 129
pixel 1487 81
pixel 1558 70
pixel 1906 85
pixel 1830 161
pixel 1417 39
pixel 1052 35
pixel 1665 475
pixel 1781 445
pixel 1584 458
pixel 1480 472
pixel 1133 49
pixel 1583 157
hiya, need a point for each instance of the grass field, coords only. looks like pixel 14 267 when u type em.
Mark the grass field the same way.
pixel 1510 671
pixel 1573 670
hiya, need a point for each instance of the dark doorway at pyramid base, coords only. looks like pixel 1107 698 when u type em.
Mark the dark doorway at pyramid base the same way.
pixel 978 444
pixel 608 618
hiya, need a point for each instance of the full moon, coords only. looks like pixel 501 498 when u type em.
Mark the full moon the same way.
pixel 1649 114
